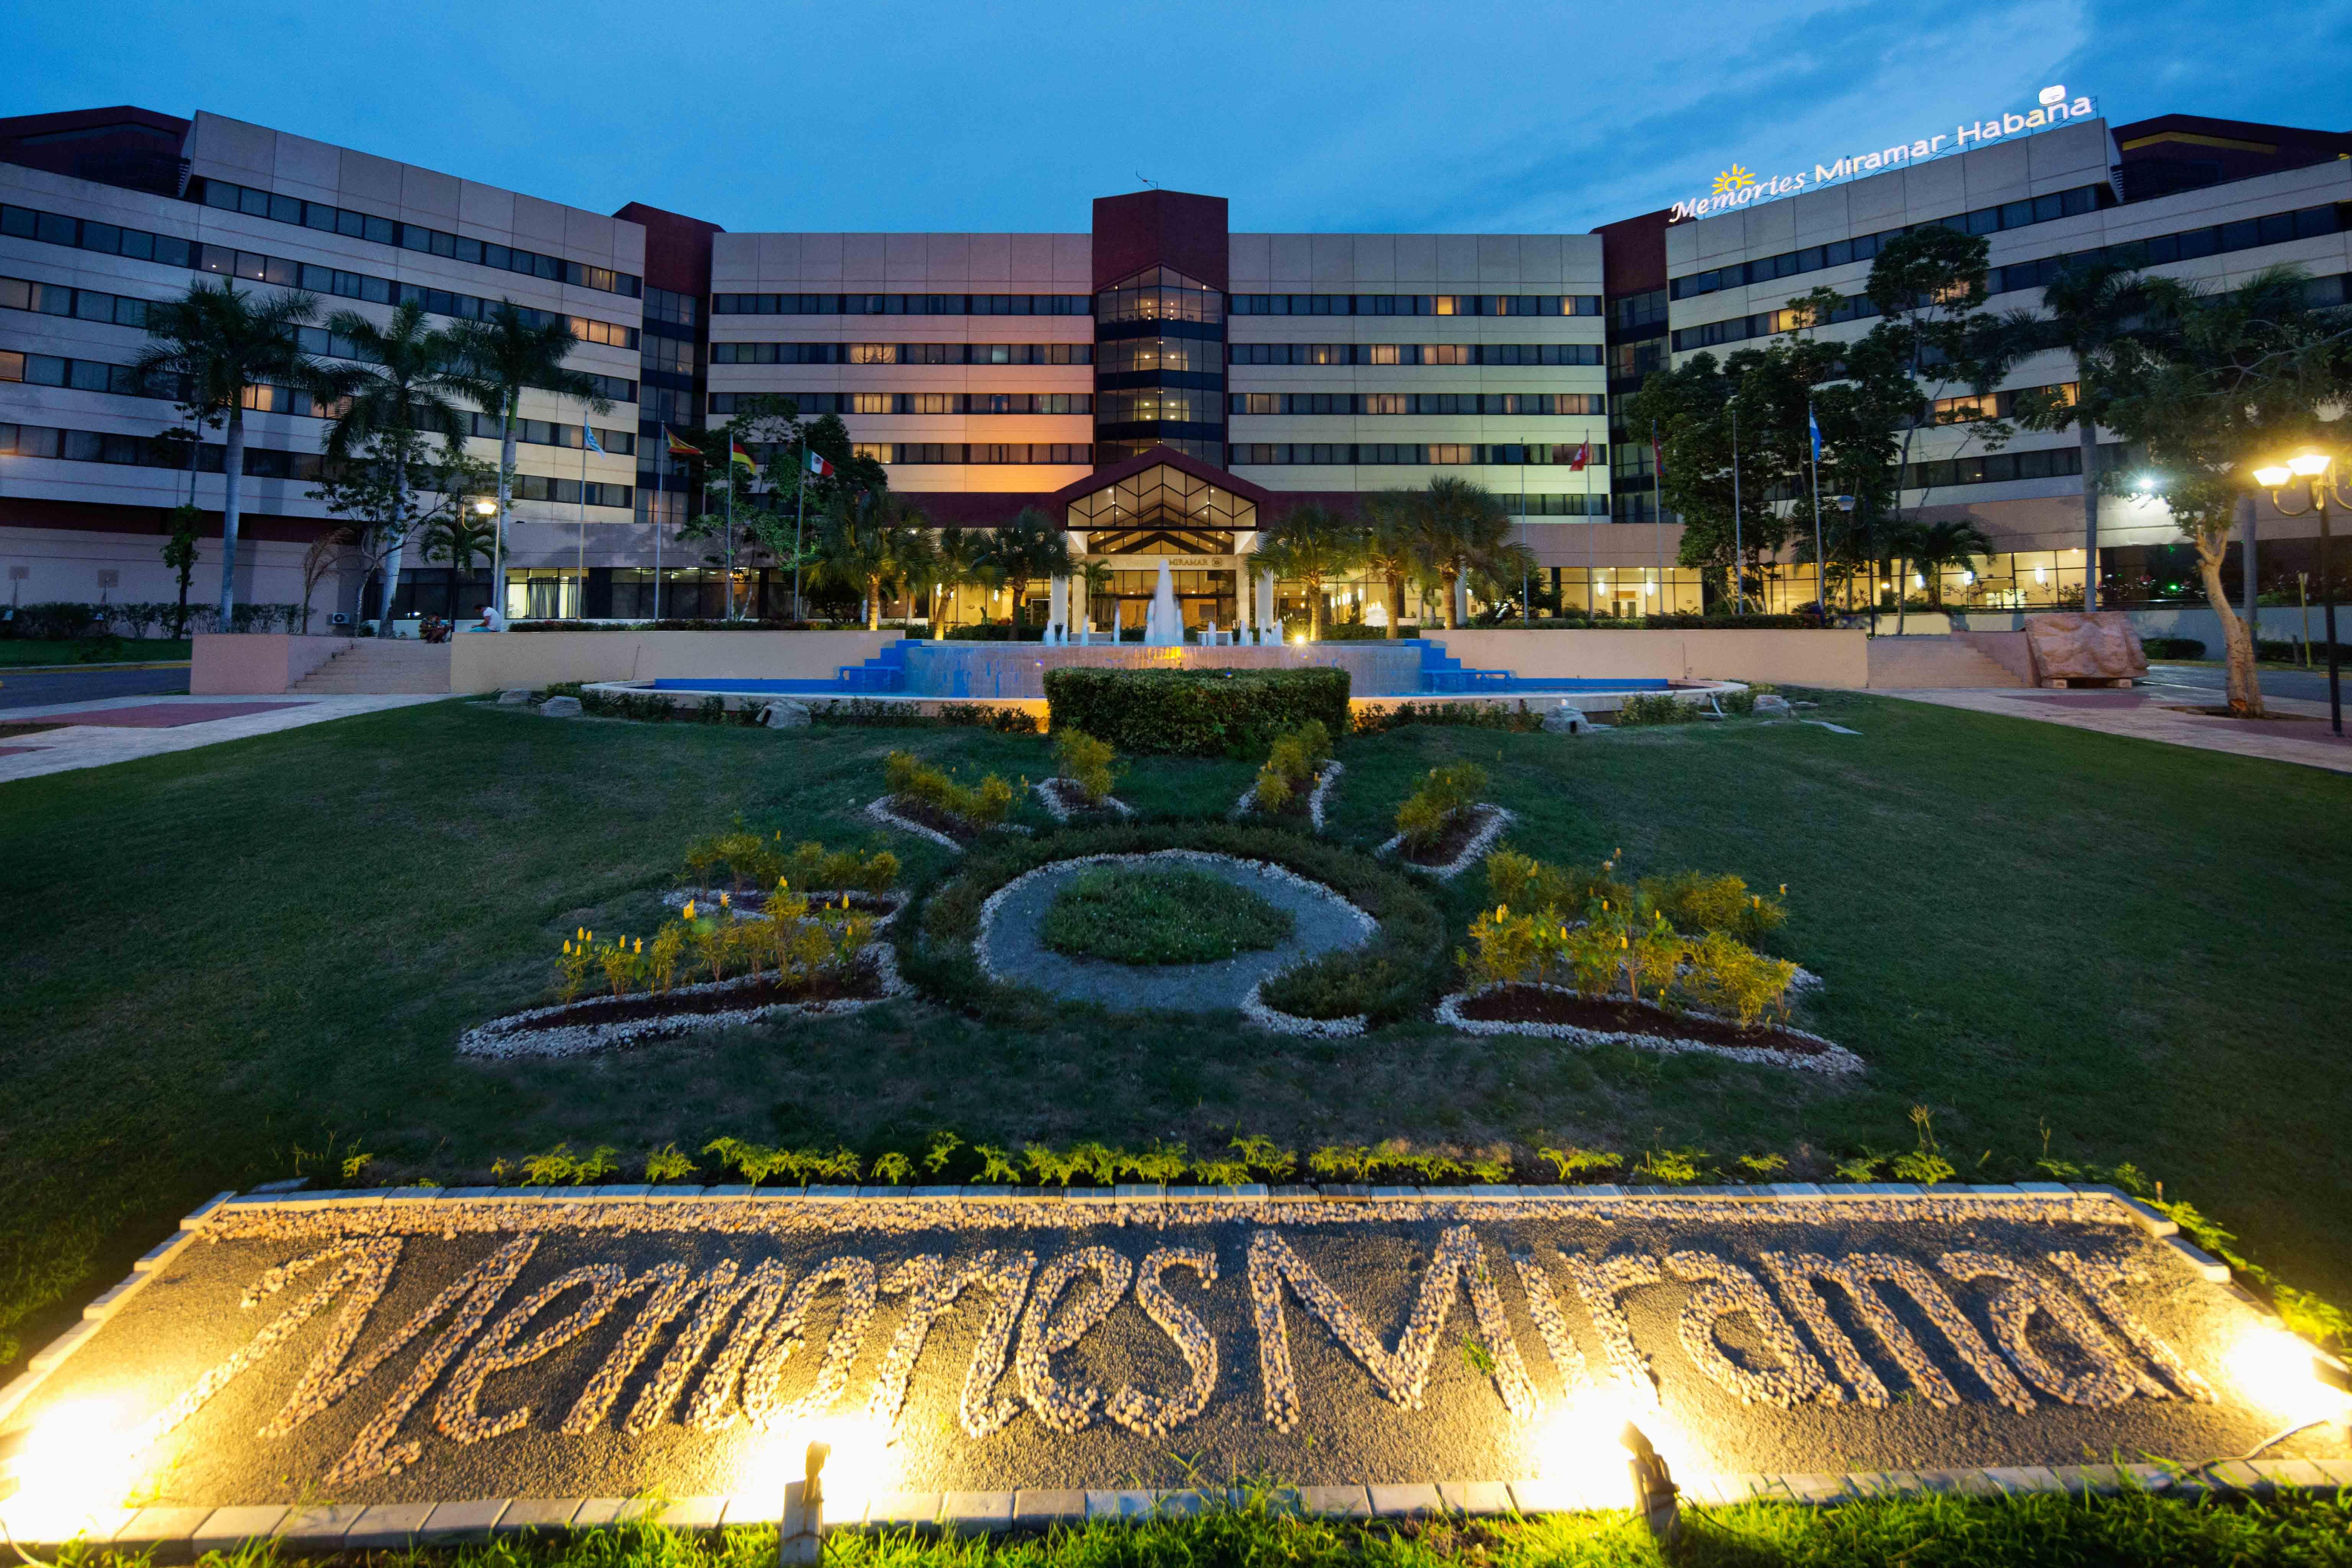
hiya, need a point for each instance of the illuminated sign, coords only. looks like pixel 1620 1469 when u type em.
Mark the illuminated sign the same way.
pixel 1736 188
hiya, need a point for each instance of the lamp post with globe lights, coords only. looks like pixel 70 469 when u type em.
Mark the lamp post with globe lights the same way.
pixel 2317 471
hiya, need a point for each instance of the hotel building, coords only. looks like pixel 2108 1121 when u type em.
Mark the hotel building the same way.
pixel 1157 382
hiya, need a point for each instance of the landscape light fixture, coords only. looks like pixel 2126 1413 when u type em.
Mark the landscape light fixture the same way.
pixel 2316 472
pixel 66 1468
pixel 803 1540
pixel 486 507
pixel 1655 1496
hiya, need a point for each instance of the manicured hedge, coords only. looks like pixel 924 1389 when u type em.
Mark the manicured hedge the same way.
pixel 2173 648
pixel 1194 713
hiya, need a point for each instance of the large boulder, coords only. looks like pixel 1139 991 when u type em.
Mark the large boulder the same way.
pixel 784 715
pixel 1565 720
pixel 2073 645
pixel 561 708
pixel 518 697
pixel 1772 705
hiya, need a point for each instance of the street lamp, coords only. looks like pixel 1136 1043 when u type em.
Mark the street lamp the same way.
pixel 483 507
pixel 2316 469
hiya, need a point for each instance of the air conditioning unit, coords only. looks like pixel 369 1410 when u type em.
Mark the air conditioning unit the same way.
pixel 339 619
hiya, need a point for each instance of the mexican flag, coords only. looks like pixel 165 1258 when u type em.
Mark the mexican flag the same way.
pixel 818 466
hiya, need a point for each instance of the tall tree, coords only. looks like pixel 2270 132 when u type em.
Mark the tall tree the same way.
pixel 958 561
pixel 216 343
pixel 393 398
pixel 453 525
pixel 1027 549
pixel 1460 529
pixel 1932 548
pixel 2214 386
pixel 498 357
pixel 2095 311
pixel 1390 555
pixel 873 542
pixel 1312 544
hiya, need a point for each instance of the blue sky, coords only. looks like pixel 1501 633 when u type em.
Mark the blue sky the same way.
pixel 1358 117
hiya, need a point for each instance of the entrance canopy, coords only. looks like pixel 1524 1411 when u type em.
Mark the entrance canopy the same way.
pixel 1161 502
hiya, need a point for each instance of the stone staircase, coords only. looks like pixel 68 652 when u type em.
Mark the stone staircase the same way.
pixel 379 666
pixel 1916 662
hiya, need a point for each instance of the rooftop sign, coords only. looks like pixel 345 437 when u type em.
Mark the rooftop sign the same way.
pixel 1735 187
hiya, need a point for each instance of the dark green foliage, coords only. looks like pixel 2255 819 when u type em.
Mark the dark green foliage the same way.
pixel 1516 719
pixel 2173 648
pixel 1128 915
pixel 1195 713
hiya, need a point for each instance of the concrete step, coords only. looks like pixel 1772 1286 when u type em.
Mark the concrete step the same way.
pixel 1925 662
pixel 388 667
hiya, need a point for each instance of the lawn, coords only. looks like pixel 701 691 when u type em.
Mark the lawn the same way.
pixel 233 963
pixel 19 652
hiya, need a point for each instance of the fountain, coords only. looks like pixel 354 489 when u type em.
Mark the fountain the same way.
pixel 1163 626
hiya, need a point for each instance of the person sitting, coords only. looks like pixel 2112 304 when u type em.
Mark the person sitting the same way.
pixel 491 621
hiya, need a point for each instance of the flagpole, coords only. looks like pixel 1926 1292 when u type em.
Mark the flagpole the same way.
pixel 661 494
pixel 584 513
pixel 730 525
pixel 799 517
pixel 1658 507
pixel 1820 563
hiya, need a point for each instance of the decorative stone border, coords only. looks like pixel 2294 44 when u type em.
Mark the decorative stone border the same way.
pixel 506 1037
pixel 1246 807
pixel 176 1532
pixel 1497 817
pixel 878 808
pixel 1051 799
pixel 1834 1058
pixel 677 899
pixel 1254 1008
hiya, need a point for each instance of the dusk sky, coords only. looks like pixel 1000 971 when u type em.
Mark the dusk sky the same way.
pixel 1359 117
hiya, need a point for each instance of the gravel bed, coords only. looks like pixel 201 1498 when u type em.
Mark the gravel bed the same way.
pixel 1010 949
pixel 1831 1058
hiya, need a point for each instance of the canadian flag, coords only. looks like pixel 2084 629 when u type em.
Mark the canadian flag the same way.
pixel 818 466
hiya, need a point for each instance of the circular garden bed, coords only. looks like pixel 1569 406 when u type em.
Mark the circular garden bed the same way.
pixel 1296 934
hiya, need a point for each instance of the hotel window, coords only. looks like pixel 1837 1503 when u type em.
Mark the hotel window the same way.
pixel 1381 353
pixel 1446 353
pixel 876 450
pixel 872 402
pixel 1385 403
pixel 925 403
pixel 668 354
pixel 1160 294
pixel 1127 355
pixel 872 353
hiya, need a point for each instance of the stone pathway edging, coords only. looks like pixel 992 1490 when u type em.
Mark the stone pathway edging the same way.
pixel 1051 800
pixel 1497 817
pixel 506 1039
pixel 1246 807
pixel 677 899
pixel 1834 1059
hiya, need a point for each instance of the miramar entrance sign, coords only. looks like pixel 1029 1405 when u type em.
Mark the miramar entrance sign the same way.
pixel 1736 188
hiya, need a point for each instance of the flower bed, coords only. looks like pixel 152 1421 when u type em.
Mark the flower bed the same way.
pixel 1463 843
pixel 1065 802
pixel 880 908
pixel 1194 713
pixel 604 1023
pixel 1153 915
pixel 1307 809
pixel 1555 1012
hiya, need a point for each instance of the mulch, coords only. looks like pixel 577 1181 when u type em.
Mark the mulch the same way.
pixel 1458 832
pixel 860 981
pixel 1534 1004
pixel 1068 796
pixel 932 817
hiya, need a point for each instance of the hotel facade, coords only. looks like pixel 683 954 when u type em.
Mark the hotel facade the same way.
pixel 1157 382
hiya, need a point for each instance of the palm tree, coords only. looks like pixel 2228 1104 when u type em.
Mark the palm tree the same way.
pixel 873 542
pixel 394 393
pixel 957 558
pixel 1461 529
pixel 1028 548
pixel 218 342
pixel 1390 548
pixel 2094 311
pixel 1311 543
pixel 499 355
pixel 1933 546
pixel 1097 577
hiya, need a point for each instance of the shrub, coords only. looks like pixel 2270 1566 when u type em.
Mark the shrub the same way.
pixel 1696 901
pixel 1443 797
pixel 1521 881
pixel 1194 713
pixel 1083 762
pixel 812 866
pixel 1291 766
pixel 983 805
pixel 1464 715
pixel 1133 915
pixel 2172 647
pixel 1727 976
pixel 1655 708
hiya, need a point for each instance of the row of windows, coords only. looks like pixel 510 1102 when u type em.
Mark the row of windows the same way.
pixel 1415 403
pixel 901 305
pixel 1864 248
pixel 96 376
pixel 815 403
pixel 1634 311
pixel 1585 504
pixel 678 309
pixel 1510 455
pixel 253 202
pixel 1160 294
pixel 260 462
pixel 1414 305
pixel 1062 452
pixel 902 354
pixel 1993 405
pixel 1414 354
pixel 168 250
pixel 2006 467
pixel 2216 239
pixel 1183 406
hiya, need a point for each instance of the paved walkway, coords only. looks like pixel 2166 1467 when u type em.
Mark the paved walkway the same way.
pixel 119 729
pixel 2150 712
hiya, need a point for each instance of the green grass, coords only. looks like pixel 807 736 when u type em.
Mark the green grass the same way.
pixel 17 652
pixel 2137 1528
pixel 234 963
pixel 1131 916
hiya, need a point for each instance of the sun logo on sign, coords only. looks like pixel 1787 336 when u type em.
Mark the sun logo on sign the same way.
pixel 1731 179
